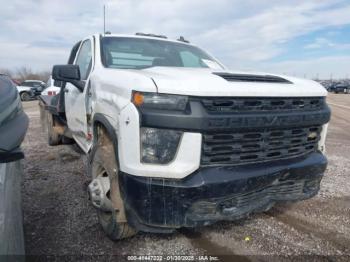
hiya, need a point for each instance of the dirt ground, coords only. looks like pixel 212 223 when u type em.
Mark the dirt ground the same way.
pixel 59 220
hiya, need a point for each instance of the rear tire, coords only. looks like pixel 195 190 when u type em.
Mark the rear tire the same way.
pixel 25 96
pixel 53 137
pixel 102 162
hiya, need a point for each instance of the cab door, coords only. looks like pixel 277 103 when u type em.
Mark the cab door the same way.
pixel 76 102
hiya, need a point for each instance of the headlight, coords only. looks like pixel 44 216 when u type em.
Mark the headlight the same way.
pixel 160 101
pixel 159 146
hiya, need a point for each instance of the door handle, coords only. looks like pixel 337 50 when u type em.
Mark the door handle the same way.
pixel 66 90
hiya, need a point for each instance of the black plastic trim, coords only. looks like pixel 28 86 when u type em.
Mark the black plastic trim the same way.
pixel 252 78
pixel 198 119
pixel 14 155
pixel 165 204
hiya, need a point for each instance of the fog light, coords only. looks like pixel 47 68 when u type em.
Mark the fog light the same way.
pixel 159 146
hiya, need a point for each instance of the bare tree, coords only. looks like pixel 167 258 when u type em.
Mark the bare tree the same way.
pixel 25 73
pixel 44 75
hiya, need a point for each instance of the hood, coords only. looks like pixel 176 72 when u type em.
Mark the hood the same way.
pixel 207 82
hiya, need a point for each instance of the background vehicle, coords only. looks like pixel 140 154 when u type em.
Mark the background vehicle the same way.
pixel 51 89
pixel 341 88
pixel 29 89
pixel 175 139
pixel 337 86
pixel 13 126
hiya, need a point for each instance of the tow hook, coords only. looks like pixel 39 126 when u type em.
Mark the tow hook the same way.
pixel 98 191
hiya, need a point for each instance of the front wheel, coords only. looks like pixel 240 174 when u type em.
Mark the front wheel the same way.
pixel 25 96
pixel 104 190
pixel 53 138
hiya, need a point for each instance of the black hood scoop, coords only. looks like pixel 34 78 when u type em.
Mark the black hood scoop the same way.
pixel 252 78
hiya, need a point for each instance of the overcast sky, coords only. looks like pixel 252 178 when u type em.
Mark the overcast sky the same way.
pixel 303 38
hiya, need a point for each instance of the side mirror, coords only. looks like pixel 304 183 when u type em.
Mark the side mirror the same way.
pixel 58 83
pixel 68 73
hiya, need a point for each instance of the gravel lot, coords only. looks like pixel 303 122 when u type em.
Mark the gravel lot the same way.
pixel 59 220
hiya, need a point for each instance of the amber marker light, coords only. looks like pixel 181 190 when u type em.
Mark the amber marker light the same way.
pixel 138 98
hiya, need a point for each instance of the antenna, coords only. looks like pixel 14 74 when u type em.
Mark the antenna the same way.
pixel 104 19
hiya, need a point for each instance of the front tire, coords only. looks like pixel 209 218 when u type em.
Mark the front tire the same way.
pixel 25 96
pixel 103 165
pixel 53 138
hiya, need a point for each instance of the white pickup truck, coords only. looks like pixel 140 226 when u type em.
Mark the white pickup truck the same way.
pixel 175 139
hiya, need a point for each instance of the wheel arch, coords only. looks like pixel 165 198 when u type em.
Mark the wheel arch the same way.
pixel 101 120
pixel 20 93
pixel 23 91
pixel 122 229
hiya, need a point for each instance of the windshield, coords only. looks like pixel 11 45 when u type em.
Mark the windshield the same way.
pixel 140 53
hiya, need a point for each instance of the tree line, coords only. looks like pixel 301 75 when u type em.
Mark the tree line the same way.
pixel 26 73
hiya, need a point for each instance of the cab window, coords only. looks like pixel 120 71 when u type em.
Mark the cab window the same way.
pixel 29 84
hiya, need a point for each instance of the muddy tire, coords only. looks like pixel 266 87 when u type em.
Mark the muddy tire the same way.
pixel 25 96
pixel 53 138
pixel 43 117
pixel 102 163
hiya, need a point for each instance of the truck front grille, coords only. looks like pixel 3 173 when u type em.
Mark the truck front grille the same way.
pixel 258 145
pixel 268 104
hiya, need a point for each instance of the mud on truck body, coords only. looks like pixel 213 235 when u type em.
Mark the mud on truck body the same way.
pixel 174 139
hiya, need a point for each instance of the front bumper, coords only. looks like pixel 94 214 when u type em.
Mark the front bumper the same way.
pixel 212 194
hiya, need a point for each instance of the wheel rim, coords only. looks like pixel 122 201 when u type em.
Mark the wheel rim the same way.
pixel 100 174
pixel 25 97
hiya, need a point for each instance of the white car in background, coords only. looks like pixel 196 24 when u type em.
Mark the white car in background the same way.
pixel 25 92
pixel 51 89
pixel 28 89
